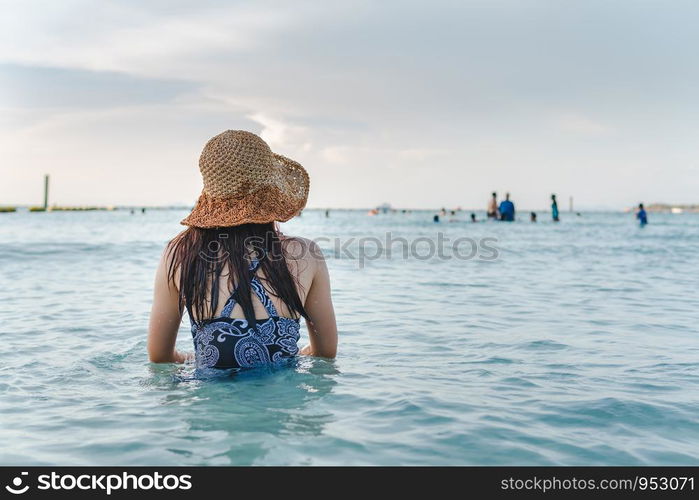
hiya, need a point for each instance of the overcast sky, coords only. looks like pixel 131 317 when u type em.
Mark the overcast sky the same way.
pixel 420 104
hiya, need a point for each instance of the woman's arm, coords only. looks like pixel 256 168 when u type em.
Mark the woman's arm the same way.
pixel 322 327
pixel 165 318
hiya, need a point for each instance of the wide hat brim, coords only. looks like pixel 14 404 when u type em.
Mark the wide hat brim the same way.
pixel 279 200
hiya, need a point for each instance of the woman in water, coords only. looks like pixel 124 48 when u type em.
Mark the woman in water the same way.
pixel 245 286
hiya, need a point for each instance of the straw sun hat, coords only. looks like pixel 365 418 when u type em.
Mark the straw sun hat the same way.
pixel 244 182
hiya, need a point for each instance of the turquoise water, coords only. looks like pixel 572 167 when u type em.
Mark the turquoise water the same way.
pixel 577 345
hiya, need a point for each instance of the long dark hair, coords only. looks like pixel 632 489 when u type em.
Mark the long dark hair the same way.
pixel 201 255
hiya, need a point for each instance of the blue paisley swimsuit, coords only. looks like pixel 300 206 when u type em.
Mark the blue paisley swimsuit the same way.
pixel 226 342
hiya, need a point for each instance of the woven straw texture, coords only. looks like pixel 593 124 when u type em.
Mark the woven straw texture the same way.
pixel 245 182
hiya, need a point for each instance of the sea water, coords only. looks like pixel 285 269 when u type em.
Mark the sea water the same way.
pixel 572 343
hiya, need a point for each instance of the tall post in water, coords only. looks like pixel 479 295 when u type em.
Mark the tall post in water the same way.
pixel 46 192
pixel 570 204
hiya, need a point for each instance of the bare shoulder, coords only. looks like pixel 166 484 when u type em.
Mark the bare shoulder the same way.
pixel 167 259
pixel 168 253
pixel 304 252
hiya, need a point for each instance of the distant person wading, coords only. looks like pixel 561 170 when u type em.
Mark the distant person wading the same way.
pixel 507 209
pixel 641 215
pixel 554 208
pixel 493 207
pixel 245 286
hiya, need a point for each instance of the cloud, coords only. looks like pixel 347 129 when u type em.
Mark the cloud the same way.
pixel 572 122
pixel 420 154
pixel 124 38
pixel 432 101
pixel 335 154
pixel 281 134
pixel 44 87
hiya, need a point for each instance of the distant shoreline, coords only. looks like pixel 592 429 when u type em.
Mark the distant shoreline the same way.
pixel 667 208
pixel 654 207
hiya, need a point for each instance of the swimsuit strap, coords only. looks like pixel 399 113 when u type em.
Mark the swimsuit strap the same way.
pixel 262 295
pixel 257 288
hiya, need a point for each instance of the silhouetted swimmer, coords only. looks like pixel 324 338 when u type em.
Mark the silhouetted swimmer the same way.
pixel 435 218
pixel 507 209
pixel 641 215
pixel 554 208
pixel 327 213
pixel 532 217
pixel 143 210
pixel 473 218
pixel 132 212
pixel 493 207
